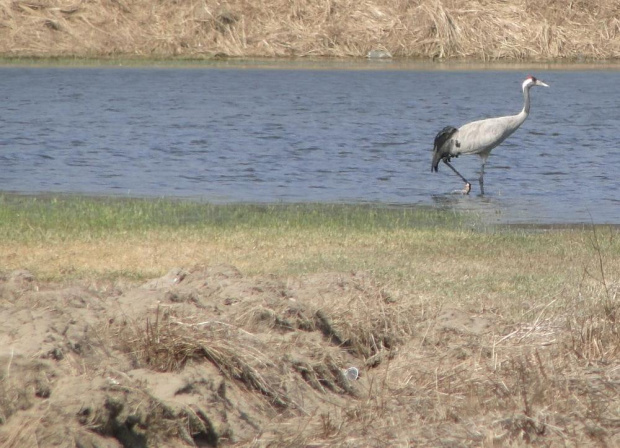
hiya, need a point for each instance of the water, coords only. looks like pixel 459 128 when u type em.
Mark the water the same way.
pixel 289 135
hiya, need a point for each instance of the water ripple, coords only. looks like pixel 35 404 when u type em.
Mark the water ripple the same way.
pixel 312 135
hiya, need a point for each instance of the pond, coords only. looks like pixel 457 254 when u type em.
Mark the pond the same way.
pixel 324 133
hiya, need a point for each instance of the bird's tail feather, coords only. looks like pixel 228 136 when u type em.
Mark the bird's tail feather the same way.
pixel 436 160
pixel 439 152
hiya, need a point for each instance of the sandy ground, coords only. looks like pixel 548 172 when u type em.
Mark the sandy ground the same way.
pixel 208 356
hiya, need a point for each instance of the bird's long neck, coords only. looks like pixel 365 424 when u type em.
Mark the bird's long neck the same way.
pixel 521 116
pixel 526 102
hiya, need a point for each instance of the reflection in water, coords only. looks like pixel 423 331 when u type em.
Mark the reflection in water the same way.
pixel 491 210
pixel 254 135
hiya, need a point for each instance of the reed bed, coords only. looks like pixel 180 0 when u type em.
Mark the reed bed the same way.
pixel 437 29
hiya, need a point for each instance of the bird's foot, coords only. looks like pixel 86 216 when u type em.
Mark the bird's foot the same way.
pixel 465 189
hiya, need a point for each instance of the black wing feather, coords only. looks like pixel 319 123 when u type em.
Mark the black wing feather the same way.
pixel 439 152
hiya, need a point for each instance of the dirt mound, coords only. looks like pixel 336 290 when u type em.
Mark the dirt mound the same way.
pixel 196 357
pixel 208 356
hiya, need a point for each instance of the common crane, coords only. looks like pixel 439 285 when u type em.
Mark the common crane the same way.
pixel 480 137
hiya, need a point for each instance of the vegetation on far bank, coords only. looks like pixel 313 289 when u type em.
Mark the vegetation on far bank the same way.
pixel 429 29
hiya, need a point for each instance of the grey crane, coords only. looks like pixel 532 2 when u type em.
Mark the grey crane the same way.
pixel 480 137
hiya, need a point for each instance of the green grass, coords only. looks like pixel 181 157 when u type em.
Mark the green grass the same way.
pixel 434 255
pixel 24 218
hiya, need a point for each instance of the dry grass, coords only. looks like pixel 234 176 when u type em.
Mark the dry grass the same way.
pixel 483 30
pixel 545 374
pixel 168 343
pixel 544 381
pixel 463 337
pixel 465 266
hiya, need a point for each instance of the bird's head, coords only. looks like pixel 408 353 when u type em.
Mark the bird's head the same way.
pixel 531 81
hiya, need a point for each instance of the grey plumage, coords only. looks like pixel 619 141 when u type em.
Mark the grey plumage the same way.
pixel 480 137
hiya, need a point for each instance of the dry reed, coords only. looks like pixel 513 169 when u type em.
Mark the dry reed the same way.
pixel 444 29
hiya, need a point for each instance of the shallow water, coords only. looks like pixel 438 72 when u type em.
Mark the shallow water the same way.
pixel 298 135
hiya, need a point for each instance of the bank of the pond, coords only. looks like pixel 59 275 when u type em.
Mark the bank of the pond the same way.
pixel 210 356
pixel 131 322
pixel 25 218
pixel 428 29
pixel 101 237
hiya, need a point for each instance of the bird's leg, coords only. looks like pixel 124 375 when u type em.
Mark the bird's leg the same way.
pixel 467 188
pixel 481 178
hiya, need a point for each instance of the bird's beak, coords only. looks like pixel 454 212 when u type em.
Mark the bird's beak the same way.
pixel 540 83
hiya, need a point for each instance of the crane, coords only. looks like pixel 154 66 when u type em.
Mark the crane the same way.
pixel 480 137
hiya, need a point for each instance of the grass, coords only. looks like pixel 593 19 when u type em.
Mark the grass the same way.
pixel 372 287
pixel 423 250
pixel 25 217
pixel 56 236
pixel 437 29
